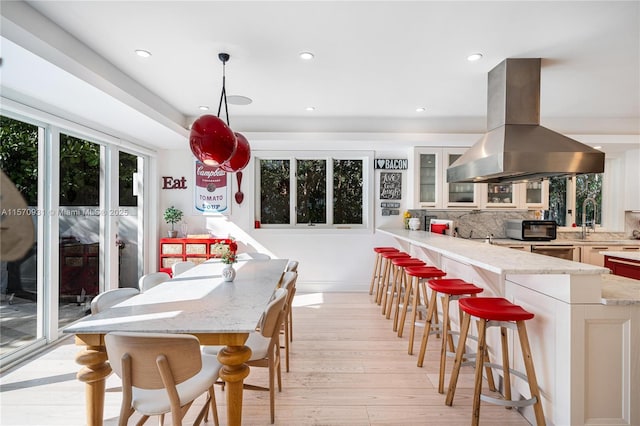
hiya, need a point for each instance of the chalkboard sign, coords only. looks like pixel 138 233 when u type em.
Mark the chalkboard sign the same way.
pixel 390 186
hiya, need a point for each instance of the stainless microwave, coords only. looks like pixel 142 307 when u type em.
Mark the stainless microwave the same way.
pixel 531 230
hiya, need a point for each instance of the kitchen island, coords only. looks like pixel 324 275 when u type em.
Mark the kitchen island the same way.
pixel 586 347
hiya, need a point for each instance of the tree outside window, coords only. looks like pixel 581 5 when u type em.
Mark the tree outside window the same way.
pixel 327 191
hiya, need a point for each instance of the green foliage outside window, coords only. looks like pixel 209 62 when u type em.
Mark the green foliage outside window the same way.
pixel 274 191
pixel 311 191
pixel 347 191
pixel 19 156
pixel 589 186
pixel 313 177
pixel 79 172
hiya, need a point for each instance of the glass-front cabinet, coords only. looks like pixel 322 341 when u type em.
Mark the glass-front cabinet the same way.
pixel 430 188
pixel 502 195
pixel 458 194
pixel 428 183
pixel 535 194
pixel 430 180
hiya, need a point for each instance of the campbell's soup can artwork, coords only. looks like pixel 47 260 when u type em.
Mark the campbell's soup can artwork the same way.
pixel 212 191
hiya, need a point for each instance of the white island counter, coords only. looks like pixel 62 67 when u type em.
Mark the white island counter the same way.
pixel 586 352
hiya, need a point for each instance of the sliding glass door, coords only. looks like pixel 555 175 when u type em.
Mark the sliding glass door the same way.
pixel 20 286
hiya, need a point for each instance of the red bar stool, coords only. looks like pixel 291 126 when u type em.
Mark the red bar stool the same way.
pixel 416 291
pixel 399 286
pixel 492 312
pixel 386 275
pixel 450 289
pixel 377 267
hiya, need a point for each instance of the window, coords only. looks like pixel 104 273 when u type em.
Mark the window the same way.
pixel 568 197
pixel 320 191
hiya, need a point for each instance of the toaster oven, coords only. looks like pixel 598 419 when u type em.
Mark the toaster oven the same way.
pixel 531 230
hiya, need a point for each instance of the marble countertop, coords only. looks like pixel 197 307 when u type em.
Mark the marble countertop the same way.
pixel 560 242
pixel 492 257
pixel 630 255
pixel 617 290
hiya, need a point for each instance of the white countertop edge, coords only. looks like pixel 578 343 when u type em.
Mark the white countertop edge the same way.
pixel 493 258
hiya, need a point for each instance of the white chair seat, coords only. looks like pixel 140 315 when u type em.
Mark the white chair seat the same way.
pixel 155 401
pixel 257 342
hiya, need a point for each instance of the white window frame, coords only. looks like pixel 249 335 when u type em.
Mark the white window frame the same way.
pixel 367 187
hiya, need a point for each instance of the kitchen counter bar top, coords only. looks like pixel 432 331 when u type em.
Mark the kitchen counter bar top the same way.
pixel 561 242
pixel 492 257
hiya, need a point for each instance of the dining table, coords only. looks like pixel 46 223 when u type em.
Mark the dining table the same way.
pixel 197 302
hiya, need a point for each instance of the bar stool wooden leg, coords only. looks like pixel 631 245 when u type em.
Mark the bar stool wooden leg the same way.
pixel 431 312
pixel 453 382
pixel 382 288
pixel 408 298
pixel 477 389
pixel 531 372
pixel 376 272
pixel 505 363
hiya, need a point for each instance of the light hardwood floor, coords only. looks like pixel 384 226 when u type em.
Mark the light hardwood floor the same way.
pixel 347 368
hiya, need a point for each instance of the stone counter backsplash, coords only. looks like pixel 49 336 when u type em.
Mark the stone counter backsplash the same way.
pixel 477 224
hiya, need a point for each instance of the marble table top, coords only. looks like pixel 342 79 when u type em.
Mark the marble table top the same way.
pixel 197 301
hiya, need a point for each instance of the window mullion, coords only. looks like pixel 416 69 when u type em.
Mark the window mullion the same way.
pixel 329 192
pixel 293 192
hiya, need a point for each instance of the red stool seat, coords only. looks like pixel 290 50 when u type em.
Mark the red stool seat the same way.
pixel 425 271
pixel 394 254
pixel 376 276
pixel 453 286
pixel 407 261
pixel 384 249
pixel 494 309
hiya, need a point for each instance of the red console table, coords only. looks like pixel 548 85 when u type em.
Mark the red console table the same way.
pixel 197 250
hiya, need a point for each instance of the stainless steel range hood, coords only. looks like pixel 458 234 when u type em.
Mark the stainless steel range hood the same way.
pixel 516 148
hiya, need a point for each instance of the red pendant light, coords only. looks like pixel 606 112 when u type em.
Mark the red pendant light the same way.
pixel 240 158
pixel 211 140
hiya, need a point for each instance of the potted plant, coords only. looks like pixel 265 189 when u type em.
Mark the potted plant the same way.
pixel 172 215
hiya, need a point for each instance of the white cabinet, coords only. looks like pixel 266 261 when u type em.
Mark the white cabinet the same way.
pixel 458 194
pixel 501 195
pixel 534 195
pixel 591 253
pixel 430 187
pixel 431 190
pixel 427 185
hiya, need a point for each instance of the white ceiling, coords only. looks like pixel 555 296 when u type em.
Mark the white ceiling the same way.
pixel 375 63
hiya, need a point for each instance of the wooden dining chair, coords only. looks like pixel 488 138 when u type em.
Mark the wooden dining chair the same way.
pixel 180 267
pixel 289 280
pixel 162 373
pixel 151 280
pixel 292 266
pixel 265 346
pixel 111 297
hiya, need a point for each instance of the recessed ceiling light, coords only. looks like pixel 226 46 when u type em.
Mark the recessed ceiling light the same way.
pixel 310 108
pixel 238 100
pixel 597 147
pixel 474 57
pixel 203 108
pixel 143 53
pixel 421 109
pixel 307 56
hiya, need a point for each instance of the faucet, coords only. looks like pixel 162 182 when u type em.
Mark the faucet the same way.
pixel 584 216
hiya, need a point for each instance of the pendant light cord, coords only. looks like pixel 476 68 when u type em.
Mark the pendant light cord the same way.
pixel 223 95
